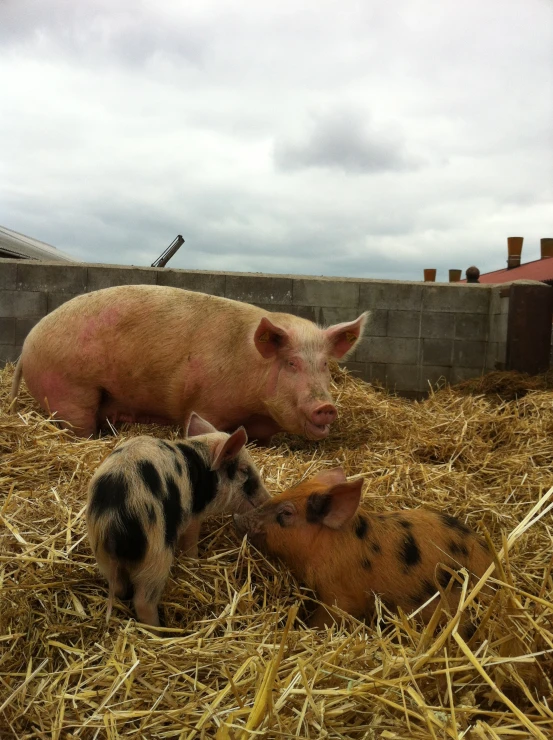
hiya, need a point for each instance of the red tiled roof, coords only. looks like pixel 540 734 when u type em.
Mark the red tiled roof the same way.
pixel 536 270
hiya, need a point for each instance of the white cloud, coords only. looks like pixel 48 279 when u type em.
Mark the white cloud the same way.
pixel 325 138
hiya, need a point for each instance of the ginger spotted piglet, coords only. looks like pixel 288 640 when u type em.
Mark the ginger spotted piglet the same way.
pixel 347 555
pixel 150 496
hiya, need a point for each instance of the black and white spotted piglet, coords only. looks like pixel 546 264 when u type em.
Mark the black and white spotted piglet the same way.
pixel 150 496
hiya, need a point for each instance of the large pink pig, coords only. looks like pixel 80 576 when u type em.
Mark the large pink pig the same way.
pixel 155 354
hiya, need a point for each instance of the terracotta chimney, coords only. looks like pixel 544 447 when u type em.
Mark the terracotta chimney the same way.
pixel 430 275
pixel 546 247
pixel 455 276
pixel 514 250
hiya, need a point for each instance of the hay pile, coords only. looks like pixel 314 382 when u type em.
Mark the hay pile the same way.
pixel 233 663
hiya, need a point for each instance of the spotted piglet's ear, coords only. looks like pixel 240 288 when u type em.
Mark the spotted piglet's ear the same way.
pixel 196 425
pixel 331 477
pixel 229 448
pixel 344 337
pixel 335 507
pixel 269 338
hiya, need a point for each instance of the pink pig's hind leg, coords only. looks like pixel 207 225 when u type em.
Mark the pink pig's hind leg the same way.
pixel 78 410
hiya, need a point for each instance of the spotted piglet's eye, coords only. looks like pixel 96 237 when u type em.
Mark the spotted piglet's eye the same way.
pixel 285 514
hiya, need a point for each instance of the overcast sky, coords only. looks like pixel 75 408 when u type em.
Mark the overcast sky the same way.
pixel 360 137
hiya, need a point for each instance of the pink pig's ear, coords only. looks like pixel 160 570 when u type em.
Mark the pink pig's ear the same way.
pixel 268 338
pixel 335 507
pixel 331 477
pixel 197 425
pixel 344 337
pixel 229 448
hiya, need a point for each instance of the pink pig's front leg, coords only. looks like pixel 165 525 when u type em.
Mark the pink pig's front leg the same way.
pixel 188 541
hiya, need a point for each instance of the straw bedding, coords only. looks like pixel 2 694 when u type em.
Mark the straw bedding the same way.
pixel 235 661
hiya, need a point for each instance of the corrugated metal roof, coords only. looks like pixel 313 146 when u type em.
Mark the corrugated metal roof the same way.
pixel 537 270
pixel 19 246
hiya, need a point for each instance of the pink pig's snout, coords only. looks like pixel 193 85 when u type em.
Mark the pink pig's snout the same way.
pixel 319 420
pixel 324 414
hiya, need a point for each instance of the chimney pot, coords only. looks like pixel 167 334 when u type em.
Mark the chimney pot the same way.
pixel 514 246
pixel 546 247
pixel 454 276
pixel 429 275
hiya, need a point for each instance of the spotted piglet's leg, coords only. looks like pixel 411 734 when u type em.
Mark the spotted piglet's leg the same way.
pixel 188 540
pixel 149 584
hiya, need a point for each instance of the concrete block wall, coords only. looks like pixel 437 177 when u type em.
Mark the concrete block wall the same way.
pixel 416 334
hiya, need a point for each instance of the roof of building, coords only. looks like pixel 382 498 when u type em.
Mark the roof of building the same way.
pixel 16 245
pixel 541 269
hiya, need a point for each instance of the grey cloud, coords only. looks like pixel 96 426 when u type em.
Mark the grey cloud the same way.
pixel 344 140
pixel 131 32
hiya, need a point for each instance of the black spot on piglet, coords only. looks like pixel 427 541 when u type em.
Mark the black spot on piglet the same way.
pixel 151 478
pixel 361 527
pixel 318 506
pixel 203 480
pixel 454 523
pixel 251 484
pixel 172 511
pixel 125 537
pixel 428 589
pixel 458 548
pixel 409 553
pixel 232 468
pixel 110 492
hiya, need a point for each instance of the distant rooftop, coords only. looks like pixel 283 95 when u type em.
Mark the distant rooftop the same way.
pixel 14 245
pixel 537 270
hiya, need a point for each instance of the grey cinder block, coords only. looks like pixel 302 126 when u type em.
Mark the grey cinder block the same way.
pixel 491 355
pixel 469 354
pixel 201 282
pixel 329 316
pixel 108 277
pixel 403 377
pixel 388 350
pixel 259 289
pixel 58 278
pixel 434 374
pixel 8 274
pixel 305 312
pixel 437 352
pixel 404 323
pixel 396 296
pixel 7 331
pixel 23 327
pixel 457 297
pixel 55 300
pixel 377 323
pixel 329 293
pixel 379 373
pixel 359 369
pixel 459 374
pixel 22 303
pixel 9 353
pixel 471 326
pixel 498 329
pixel 436 325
